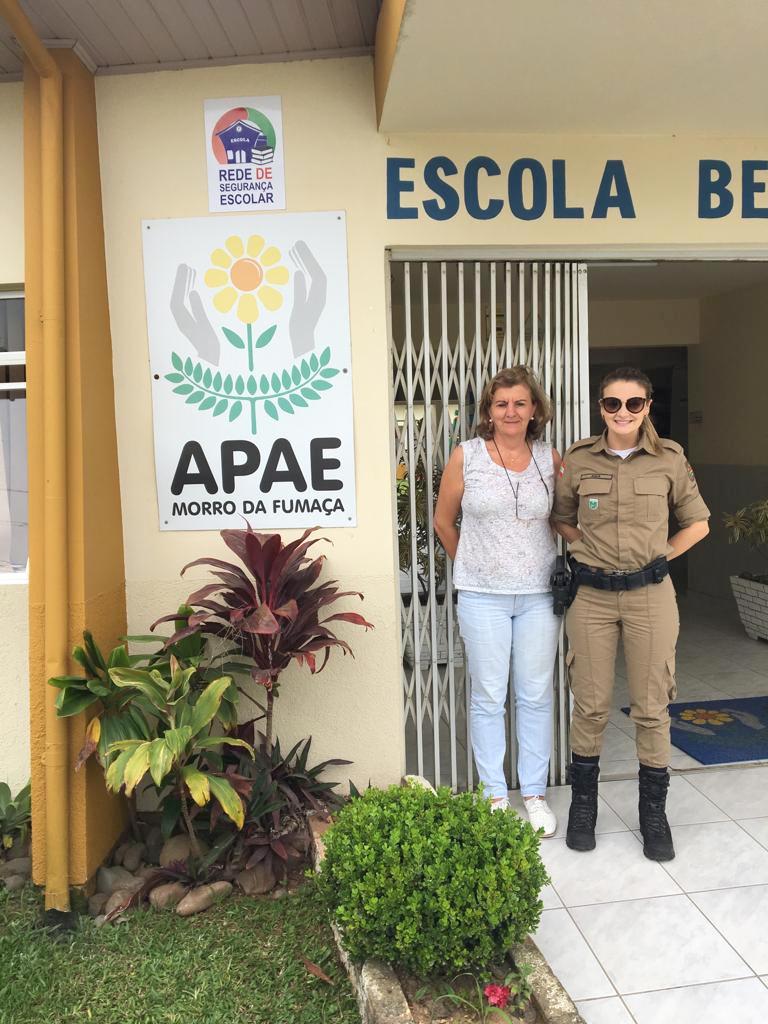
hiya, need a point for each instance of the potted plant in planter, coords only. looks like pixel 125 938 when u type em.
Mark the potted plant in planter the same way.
pixel 751 588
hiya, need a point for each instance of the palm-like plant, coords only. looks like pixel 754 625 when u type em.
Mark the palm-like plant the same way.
pixel 182 720
pixel 270 610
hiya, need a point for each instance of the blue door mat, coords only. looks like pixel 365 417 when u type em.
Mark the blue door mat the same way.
pixel 721 731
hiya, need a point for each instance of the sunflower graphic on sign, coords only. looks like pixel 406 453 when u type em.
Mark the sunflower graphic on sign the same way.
pixel 246 281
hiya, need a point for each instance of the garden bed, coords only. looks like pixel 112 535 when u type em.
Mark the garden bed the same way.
pixel 242 962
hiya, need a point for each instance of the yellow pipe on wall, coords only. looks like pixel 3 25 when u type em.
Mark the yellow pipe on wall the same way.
pixel 55 449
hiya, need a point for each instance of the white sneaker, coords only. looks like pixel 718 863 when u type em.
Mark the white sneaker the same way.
pixel 499 803
pixel 540 815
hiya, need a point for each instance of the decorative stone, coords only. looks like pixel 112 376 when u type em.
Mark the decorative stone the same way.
pixel 14 882
pixel 420 781
pixel 148 871
pixel 203 897
pixel 257 880
pixel 100 921
pixel 166 897
pixel 133 856
pixel 178 848
pixel 116 899
pixel 117 856
pixel 22 866
pixel 109 880
pixel 96 904
pixel 154 844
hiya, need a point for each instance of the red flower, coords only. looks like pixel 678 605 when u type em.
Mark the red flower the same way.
pixel 497 995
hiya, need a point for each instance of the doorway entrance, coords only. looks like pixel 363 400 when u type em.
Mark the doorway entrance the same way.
pixel 697 328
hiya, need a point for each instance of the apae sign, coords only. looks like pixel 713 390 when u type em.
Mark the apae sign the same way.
pixel 251 384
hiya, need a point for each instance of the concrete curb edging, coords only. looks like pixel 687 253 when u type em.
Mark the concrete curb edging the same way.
pixel 380 996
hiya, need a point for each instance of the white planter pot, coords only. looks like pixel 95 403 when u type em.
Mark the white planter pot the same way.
pixel 752 601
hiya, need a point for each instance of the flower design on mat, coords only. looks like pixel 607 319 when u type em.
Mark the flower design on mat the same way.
pixel 246 272
pixel 701 716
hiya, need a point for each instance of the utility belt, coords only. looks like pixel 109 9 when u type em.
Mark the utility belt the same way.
pixel 567 578
pixel 605 579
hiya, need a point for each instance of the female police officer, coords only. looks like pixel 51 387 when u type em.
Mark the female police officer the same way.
pixel 612 499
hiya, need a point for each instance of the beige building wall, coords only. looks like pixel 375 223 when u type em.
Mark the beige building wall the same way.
pixel 633 323
pixel 729 447
pixel 14 683
pixel 153 165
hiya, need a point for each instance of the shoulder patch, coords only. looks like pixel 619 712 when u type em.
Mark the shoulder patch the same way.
pixel 689 471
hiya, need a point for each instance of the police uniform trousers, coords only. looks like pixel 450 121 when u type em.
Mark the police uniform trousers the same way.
pixel 648 622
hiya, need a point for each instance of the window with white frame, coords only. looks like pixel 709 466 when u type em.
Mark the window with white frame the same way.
pixel 14 540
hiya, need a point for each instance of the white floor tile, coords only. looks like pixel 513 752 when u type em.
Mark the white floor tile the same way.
pixel 657 943
pixel 740 916
pixel 622 767
pixel 570 957
pixel 604 1011
pixel 550 899
pixel 616 870
pixel 680 760
pixel 716 855
pixel 559 799
pixel 740 792
pixel 685 804
pixel 617 745
pixel 758 828
pixel 745 1002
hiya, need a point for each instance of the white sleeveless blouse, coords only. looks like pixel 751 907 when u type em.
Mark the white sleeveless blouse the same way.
pixel 501 552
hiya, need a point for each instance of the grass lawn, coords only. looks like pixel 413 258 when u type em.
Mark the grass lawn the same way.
pixel 239 962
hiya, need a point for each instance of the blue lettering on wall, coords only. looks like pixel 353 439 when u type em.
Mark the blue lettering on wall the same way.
pixel 715 198
pixel 396 186
pixel 441 188
pixel 515 182
pixel 614 175
pixel 471 197
pixel 750 188
pixel 560 208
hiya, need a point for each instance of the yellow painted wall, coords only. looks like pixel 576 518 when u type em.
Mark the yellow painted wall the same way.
pixel 148 171
pixel 12 190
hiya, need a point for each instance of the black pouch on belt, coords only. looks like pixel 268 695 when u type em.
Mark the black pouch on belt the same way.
pixel 563 583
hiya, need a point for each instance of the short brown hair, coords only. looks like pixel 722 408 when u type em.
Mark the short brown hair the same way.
pixel 508 378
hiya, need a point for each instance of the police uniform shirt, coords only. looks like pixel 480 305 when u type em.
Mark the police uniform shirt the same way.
pixel 622 505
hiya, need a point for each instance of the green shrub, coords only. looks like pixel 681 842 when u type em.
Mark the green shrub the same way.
pixel 432 883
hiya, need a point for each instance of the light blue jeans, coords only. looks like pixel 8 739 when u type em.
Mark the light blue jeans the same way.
pixel 495 627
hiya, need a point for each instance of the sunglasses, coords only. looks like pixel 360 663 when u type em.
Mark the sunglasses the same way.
pixel 612 405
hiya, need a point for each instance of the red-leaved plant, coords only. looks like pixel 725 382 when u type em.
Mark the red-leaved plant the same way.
pixel 271 613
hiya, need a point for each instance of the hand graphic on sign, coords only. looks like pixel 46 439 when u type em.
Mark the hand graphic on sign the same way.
pixel 308 303
pixel 190 316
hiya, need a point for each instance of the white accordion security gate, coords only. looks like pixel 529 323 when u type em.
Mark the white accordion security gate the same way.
pixel 452 326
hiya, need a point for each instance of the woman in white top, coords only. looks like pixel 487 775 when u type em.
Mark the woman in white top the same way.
pixel 502 483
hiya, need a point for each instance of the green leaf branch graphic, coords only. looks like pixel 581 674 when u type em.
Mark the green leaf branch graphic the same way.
pixel 295 387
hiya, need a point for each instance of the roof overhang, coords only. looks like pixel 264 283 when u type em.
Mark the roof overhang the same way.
pixel 562 67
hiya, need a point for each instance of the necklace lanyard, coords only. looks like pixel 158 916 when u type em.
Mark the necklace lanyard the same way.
pixel 516 490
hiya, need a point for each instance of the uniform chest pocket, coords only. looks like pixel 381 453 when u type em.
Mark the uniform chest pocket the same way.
pixel 651 498
pixel 595 498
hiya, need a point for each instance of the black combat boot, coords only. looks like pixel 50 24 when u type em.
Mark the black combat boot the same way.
pixel 657 838
pixel 582 817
